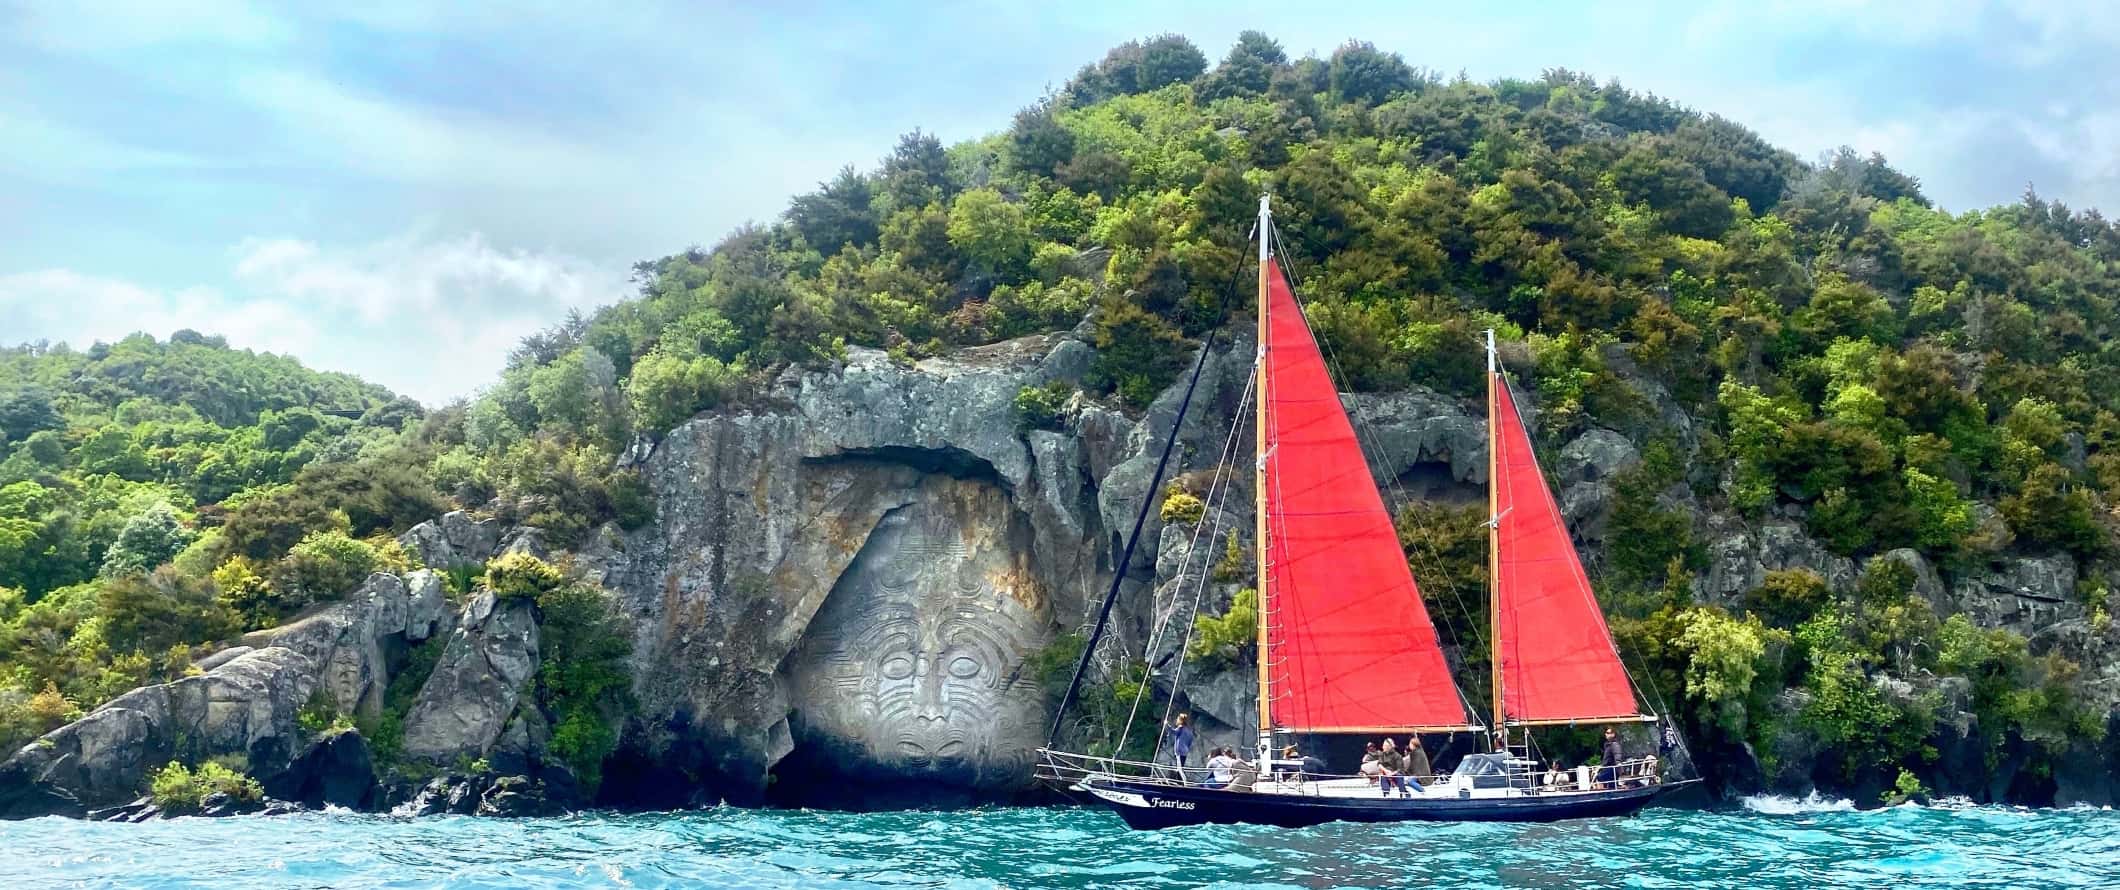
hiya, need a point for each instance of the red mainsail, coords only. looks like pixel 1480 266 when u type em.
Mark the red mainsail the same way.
pixel 1557 658
pixel 1349 644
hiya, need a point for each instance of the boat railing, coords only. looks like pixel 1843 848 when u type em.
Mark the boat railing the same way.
pixel 1066 770
pixel 1283 777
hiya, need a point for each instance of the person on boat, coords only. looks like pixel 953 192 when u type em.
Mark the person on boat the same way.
pixel 1392 774
pixel 1613 754
pixel 1221 768
pixel 1308 766
pixel 1371 768
pixel 1181 742
pixel 1555 775
pixel 1417 765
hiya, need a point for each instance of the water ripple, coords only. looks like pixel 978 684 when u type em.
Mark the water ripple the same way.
pixel 1768 844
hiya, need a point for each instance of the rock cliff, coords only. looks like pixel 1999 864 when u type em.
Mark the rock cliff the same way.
pixel 848 586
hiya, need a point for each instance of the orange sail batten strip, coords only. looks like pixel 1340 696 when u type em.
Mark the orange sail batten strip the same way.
pixel 1555 654
pixel 1349 641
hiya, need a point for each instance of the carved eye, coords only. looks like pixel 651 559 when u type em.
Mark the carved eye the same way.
pixel 896 667
pixel 964 667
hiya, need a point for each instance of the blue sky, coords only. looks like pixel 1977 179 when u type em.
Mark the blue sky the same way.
pixel 403 191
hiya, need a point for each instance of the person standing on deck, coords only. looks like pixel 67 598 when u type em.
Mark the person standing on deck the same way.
pixel 1608 775
pixel 1181 742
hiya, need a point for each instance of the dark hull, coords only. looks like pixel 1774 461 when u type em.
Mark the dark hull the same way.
pixel 1166 806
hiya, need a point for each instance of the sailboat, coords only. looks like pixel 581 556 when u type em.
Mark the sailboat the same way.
pixel 1346 645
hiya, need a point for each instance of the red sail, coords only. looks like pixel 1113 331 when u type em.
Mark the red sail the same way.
pixel 1348 639
pixel 1557 659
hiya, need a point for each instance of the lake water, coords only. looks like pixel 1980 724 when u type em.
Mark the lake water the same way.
pixel 1768 843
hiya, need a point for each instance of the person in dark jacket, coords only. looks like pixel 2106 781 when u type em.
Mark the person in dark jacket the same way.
pixel 1608 775
pixel 1416 757
pixel 1181 742
pixel 1394 769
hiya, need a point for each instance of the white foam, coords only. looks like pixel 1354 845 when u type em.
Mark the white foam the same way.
pixel 1779 805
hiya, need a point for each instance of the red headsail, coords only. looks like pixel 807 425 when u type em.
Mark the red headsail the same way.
pixel 1349 643
pixel 1557 658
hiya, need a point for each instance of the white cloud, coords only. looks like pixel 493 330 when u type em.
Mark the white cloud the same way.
pixel 63 305
pixel 432 318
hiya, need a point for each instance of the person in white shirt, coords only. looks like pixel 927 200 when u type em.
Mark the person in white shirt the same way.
pixel 1221 768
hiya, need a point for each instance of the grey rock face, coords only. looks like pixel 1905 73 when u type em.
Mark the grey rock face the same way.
pixel 762 516
pixel 346 641
pixel 1740 555
pixel 453 539
pixel 2026 593
pixel 245 707
pixel 490 659
pixel 913 668
pixel 1595 455
pixel 335 770
pixel 243 702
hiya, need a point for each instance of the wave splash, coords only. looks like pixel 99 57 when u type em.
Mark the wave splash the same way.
pixel 1779 805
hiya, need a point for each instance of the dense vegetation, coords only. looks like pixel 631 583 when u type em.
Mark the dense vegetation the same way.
pixel 157 498
pixel 1891 374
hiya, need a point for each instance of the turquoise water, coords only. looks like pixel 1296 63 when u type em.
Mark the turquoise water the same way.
pixel 1770 843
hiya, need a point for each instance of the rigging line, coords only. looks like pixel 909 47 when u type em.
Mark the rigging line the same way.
pixel 1133 538
pixel 1433 561
pixel 1217 493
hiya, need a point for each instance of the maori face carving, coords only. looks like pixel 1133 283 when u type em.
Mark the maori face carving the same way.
pixel 912 669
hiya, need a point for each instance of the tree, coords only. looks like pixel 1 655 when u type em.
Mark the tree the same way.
pixel 2051 510
pixel 1139 67
pixel 1364 74
pixel 837 214
pixel 1682 198
pixel 154 611
pixel 1723 661
pixel 992 232
pixel 1138 354
pixel 917 173
pixel 1038 144
pixel 1248 69
pixel 148 539
pixel 24 410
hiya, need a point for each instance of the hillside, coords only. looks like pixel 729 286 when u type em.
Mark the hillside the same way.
pixel 1781 347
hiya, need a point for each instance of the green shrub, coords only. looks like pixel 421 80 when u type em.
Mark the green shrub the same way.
pixel 460 578
pixel 1905 788
pixel 1234 565
pixel 1221 638
pixel 522 576
pixel 1182 506
pixel 1039 407
pixel 584 681
pixel 323 566
pixel 177 789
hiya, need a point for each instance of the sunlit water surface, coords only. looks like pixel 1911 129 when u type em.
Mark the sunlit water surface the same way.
pixel 1768 843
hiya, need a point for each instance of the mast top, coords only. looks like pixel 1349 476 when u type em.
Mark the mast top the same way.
pixel 1265 231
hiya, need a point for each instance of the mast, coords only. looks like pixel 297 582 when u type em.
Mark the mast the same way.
pixel 1259 482
pixel 1494 553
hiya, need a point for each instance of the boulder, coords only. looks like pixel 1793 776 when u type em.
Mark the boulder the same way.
pixel 490 659
pixel 454 539
pixel 1595 455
